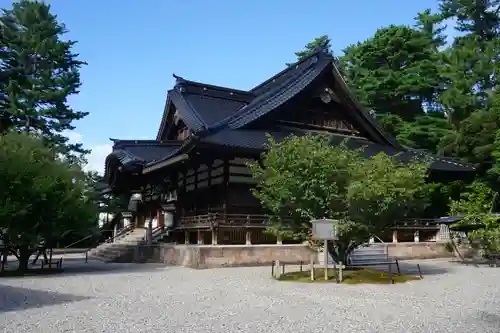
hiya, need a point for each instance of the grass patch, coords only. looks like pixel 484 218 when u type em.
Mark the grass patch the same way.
pixel 31 272
pixel 350 276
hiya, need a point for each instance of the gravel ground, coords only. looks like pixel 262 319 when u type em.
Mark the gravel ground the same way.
pixel 149 298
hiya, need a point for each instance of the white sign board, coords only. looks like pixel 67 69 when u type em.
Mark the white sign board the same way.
pixel 324 229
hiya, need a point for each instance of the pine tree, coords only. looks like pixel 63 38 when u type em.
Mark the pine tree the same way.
pixel 38 73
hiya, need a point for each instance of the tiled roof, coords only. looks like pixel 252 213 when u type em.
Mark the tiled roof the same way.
pixel 219 116
pixel 142 150
pixel 280 94
pixel 280 78
pixel 258 139
pixel 248 139
pixel 201 105
pixel 211 108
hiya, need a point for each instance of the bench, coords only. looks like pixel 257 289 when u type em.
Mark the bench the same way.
pixel 389 264
pixel 494 260
pixel 56 262
pixel 283 263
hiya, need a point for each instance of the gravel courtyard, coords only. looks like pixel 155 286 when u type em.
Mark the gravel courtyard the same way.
pixel 149 298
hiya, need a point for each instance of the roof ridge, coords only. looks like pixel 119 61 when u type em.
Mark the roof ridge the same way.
pixel 261 98
pixel 144 143
pixel 181 81
pixel 292 66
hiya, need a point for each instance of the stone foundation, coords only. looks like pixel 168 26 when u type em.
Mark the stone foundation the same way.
pixel 211 256
pixel 425 250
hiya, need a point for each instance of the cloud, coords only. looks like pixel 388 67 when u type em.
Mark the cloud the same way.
pixel 74 137
pixel 95 160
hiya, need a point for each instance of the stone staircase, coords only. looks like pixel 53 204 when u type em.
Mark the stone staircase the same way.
pixel 372 253
pixel 122 246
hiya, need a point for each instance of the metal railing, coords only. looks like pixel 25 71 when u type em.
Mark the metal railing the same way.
pixel 157 231
pixel 380 239
pixel 119 234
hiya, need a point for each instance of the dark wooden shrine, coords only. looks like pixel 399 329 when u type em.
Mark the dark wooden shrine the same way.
pixel 193 177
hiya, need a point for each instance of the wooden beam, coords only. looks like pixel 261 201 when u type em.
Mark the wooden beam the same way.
pixel 165 163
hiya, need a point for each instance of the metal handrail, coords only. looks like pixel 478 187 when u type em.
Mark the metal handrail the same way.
pixel 108 240
pixel 380 239
pixel 85 238
pixel 121 232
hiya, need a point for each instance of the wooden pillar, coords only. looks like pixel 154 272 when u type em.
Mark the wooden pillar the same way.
pixel 160 217
pixel 186 237
pixel 416 236
pixel 214 236
pixel 149 230
pixel 226 188
pixel 199 236
pixel 279 241
pixel 248 237
pixel 394 236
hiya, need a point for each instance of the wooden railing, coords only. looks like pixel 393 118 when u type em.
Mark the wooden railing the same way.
pixel 229 220
pixel 212 220
pixel 418 223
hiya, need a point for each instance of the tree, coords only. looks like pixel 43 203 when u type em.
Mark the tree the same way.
pixel 476 207
pixel 39 73
pixel 474 17
pixel 430 24
pixel 469 76
pixel 424 132
pixel 495 169
pixel 42 197
pixel 394 72
pixel 311 47
pixel 303 178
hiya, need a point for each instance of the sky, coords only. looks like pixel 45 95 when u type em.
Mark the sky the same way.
pixel 133 47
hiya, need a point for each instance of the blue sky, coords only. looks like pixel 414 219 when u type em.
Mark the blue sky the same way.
pixel 132 48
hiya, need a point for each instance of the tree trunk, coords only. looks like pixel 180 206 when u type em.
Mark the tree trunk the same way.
pixel 340 251
pixel 24 257
pixel 5 253
pixel 50 258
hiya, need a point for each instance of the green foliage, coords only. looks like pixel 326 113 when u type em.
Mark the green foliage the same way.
pixel 424 132
pixel 311 47
pixel 476 207
pixel 478 17
pixel 39 73
pixel 42 197
pixel 475 139
pixel 349 276
pixel 395 71
pixel 495 169
pixel 303 178
pixel 469 76
pixel 430 95
pixel 430 24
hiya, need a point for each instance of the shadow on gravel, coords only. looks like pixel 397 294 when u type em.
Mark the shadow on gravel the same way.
pixel 476 263
pixel 412 269
pixel 425 269
pixel 17 298
pixel 78 267
pixel 489 318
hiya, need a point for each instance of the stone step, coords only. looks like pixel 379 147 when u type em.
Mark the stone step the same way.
pixel 367 252
pixel 109 252
pixel 368 256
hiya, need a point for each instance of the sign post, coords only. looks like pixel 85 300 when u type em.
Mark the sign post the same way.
pixel 325 229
